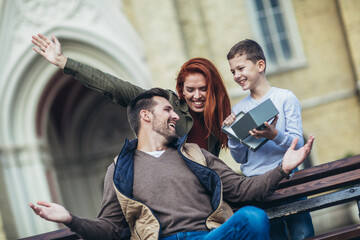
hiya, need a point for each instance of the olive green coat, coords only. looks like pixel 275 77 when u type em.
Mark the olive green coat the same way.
pixel 122 92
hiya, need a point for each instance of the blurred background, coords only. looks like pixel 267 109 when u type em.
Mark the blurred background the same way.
pixel 57 137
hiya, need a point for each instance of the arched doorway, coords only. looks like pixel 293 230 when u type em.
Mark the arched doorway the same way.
pixel 84 131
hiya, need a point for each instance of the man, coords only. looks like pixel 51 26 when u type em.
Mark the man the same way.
pixel 168 189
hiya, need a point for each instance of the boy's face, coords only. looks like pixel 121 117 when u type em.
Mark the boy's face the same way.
pixel 246 73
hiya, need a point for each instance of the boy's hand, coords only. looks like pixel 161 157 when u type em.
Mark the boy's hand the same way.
pixel 269 132
pixel 229 120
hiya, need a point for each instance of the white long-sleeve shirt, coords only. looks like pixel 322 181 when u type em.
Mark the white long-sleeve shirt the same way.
pixel 289 126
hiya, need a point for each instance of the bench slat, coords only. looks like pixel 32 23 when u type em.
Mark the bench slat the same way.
pixel 347 233
pixel 316 186
pixel 323 170
pixel 315 203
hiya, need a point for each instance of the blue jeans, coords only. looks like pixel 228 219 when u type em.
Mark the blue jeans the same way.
pixel 300 226
pixel 248 223
pixel 297 227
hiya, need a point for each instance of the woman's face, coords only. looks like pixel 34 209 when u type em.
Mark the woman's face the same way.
pixel 195 91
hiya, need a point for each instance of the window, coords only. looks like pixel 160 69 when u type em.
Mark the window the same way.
pixel 275 28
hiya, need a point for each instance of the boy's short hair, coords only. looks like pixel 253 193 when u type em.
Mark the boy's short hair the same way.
pixel 252 49
pixel 144 101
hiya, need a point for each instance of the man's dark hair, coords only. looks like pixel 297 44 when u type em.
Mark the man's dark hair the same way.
pixel 144 101
pixel 252 49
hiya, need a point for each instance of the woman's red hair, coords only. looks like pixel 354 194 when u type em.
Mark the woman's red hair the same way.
pixel 217 105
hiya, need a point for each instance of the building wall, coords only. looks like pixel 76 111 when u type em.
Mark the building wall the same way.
pixel 350 13
pixel 336 126
pixel 326 86
pixel 2 232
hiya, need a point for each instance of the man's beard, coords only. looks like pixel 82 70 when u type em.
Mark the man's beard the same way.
pixel 171 138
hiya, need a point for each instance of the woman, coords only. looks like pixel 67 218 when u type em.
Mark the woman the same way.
pixel 201 101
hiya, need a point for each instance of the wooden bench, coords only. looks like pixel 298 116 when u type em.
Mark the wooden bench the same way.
pixel 332 184
pixel 325 185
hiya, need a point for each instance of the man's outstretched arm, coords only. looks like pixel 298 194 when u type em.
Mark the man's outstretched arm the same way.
pixel 238 189
pixel 107 226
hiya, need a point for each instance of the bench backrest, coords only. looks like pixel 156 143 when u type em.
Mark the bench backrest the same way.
pixel 333 183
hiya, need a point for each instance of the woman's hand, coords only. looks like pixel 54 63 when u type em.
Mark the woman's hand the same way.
pixel 50 50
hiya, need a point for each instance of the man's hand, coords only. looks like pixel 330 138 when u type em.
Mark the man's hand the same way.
pixel 51 212
pixel 50 50
pixel 294 158
pixel 269 132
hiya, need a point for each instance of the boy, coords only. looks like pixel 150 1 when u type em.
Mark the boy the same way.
pixel 247 64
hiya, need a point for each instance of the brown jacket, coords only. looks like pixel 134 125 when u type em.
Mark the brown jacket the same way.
pixel 141 219
pixel 235 188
